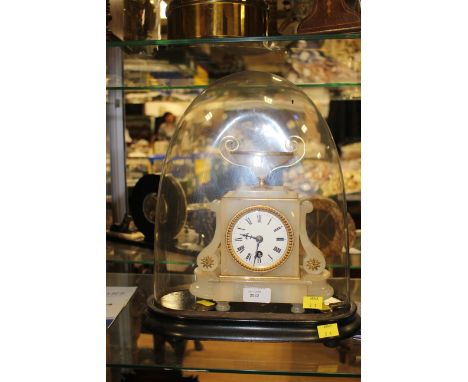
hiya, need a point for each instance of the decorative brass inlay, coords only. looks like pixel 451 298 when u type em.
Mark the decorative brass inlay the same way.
pixel 280 216
pixel 259 278
pixel 313 264
pixel 207 262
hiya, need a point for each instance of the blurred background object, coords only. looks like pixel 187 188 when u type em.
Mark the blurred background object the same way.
pixel 332 16
pixel 133 19
pixel 213 18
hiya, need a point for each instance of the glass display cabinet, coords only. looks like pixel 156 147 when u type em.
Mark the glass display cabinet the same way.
pixel 133 351
pixel 172 72
pixel 250 171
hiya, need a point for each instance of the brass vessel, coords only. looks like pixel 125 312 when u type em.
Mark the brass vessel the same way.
pixel 214 18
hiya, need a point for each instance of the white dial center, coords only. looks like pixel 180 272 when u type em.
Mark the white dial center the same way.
pixel 260 238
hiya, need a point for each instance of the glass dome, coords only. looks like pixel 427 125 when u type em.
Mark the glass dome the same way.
pixel 251 214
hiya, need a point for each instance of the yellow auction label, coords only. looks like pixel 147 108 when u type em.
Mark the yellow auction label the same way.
pixel 312 302
pixel 202 169
pixel 201 76
pixel 205 303
pixel 329 330
pixel 331 368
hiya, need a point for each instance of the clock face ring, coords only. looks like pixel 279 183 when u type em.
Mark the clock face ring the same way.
pixel 259 238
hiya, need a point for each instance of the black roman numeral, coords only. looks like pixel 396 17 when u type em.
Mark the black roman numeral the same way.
pixel 276 249
pixel 240 249
pixel 269 221
pixel 277 228
pixel 259 218
pixel 238 239
pixel 248 221
pixel 280 239
pixel 243 229
pixel 270 257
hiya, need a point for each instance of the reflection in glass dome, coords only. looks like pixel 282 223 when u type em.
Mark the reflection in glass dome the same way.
pixel 251 194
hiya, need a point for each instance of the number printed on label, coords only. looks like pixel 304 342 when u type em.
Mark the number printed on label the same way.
pixel 257 295
pixel 329 330
pixel 312 302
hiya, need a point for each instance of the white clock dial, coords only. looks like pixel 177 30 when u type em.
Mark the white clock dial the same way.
pixel 259 238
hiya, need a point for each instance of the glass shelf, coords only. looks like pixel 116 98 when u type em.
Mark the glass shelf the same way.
pixel 129 346
pixel 126 253
pixel 232 40
pixel 195 87
pixel 328 65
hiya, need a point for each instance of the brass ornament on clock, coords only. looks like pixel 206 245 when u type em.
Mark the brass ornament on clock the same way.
pixel 313 264
pixel 207 262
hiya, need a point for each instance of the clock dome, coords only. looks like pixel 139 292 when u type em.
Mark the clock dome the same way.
pixel 251 213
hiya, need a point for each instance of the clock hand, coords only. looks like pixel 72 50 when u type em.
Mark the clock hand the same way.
pixel 258 254
pixel 248 236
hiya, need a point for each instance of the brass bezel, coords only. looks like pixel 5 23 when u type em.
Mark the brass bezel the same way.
pixel 271 210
